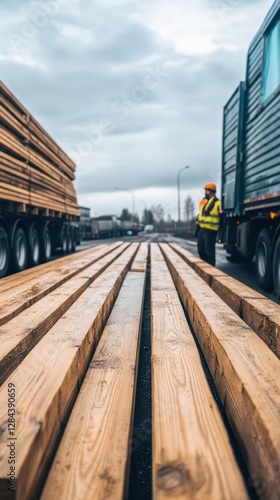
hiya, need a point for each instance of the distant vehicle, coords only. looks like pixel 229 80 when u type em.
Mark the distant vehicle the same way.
pixel 149 228
pixel 85 224
pixel 251 158
pixel 105 226
pixel 129 227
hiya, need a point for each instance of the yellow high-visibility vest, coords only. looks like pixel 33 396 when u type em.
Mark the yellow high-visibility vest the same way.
pixel 208 217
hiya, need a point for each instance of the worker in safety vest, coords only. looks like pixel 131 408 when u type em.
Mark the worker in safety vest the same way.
pixel 208 221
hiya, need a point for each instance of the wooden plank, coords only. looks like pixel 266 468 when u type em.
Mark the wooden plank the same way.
pixel 16 279
pixel 37 155
pixel 164 274
pixel 245 371
pixel 23 332
pixel 23 295
pixel 258 312
pixel 93 456
pixel 47 380
pixel 192 455
pixel 202 268
pixel 18 142
pixel 18 111
pixel 140 262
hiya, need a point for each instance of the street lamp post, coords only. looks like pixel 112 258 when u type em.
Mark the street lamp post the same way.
pixel 178 189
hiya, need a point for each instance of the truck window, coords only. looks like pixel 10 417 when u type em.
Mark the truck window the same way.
pixel 271 63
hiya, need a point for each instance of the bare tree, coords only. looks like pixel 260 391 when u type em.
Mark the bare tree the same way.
pixel 189 209
pixel 158 212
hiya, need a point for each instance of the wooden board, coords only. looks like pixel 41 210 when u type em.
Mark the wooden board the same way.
pixel 24 295
pixel 93 457
pixel 245 371
pixel 140 262
pixel 35 171
pixel 258 312
pixel 67 260
pixel 47 380
pixel 192 455
pixel 19 335
pixel 18 111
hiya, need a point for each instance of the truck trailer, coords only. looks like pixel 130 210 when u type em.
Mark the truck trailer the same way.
pixel 38 206
pixel 107 226
pixel 251 158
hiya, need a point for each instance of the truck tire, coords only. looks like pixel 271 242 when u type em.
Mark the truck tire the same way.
pixel 276 267
pixel 73 240
pixel 46 245
pixel 263 260
pixel 4 253
pixel 65 240
pixel 34 243
pixel 19 250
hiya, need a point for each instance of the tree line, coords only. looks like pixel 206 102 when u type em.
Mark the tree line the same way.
pixel 155 215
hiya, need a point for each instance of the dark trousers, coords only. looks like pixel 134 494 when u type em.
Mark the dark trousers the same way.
pixel 206 245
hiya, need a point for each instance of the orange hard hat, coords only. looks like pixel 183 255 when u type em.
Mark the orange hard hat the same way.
pixel 211 186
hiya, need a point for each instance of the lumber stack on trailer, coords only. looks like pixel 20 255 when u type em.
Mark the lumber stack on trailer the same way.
pixel 35 171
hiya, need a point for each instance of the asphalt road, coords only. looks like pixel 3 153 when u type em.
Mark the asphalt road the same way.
pixel 242 271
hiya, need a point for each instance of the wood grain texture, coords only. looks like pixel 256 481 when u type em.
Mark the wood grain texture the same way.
pixel 245 371
pixel 24 294
pixel 47 380
pixel 19 278
pixel 192 455
pixel 35 170
pixel 22 333
pixel 140 262
pixel 258 312
pixel 93 458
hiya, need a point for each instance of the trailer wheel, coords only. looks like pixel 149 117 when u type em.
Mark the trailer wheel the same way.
pixel 4 253
pixel 276 267
pixel 20 250
pixel 34 242
pixel 46 247
pixel 65 240
pixel 73 241
pixel 263 260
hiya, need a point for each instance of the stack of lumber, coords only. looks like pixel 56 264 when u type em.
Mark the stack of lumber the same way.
pixel 258 312
pixel 34 169
pixel 70 338
pixel 245 371
pixel 46 349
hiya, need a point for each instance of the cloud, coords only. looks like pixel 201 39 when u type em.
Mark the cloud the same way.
pixel 133 90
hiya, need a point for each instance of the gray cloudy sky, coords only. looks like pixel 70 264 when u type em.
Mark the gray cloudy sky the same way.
pixel 133 90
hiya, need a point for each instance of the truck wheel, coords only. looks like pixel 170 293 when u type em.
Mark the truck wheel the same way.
pixel 263 260
pixel 20 250
pixel 46 247
pixel 34 243
pixel 276 267
pixel 73 241
pixel 4 253
pixel 65 240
